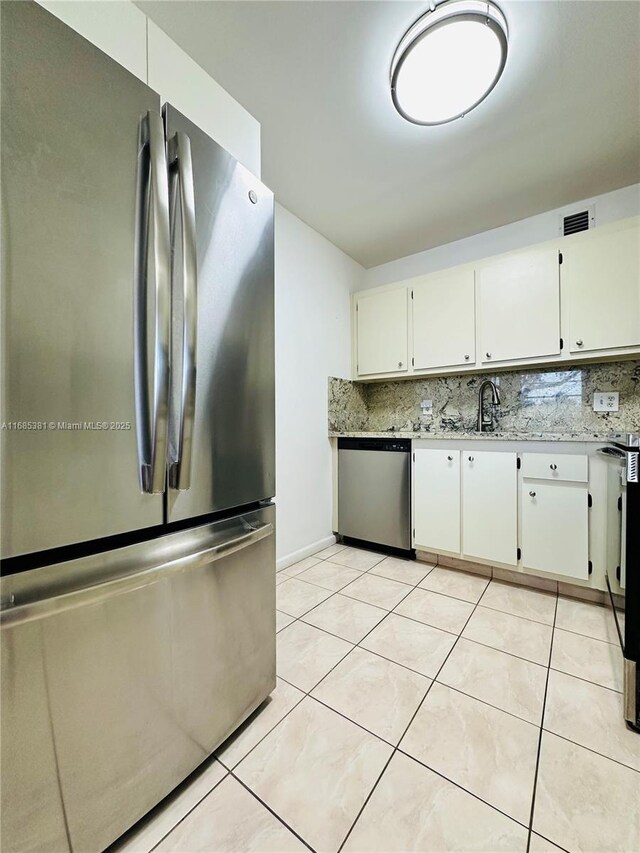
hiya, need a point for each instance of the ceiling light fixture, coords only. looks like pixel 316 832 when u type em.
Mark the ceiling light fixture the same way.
pixel 448 61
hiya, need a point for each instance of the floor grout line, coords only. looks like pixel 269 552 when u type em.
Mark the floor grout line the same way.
pixel 544 706
pixel 397 748
pixel 230 771
pixel 586 680
pixel 589 749
pixel 184 816
pixel 462 788
pixel 269 809
pixel 586 636
pixel 488 704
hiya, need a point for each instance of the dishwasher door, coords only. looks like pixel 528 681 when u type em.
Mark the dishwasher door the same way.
pixel 374 494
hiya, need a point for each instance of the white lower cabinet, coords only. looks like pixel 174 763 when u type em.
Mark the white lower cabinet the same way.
pixel 555 528
pixel 436 504
pixel 490 506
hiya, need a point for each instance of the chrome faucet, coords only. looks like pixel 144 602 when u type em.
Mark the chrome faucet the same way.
pixel 485 423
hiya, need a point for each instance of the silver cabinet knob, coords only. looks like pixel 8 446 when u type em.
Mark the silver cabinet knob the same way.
pixel 488 355
pixel 466 358
pixel 450 458
pixel 399 364
pixel 471 459
pixel 579 342
pixel 532 494
pixel 553 467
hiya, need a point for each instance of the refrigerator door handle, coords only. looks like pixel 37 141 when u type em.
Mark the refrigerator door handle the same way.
pixel 15 613
pixel 153 259
pixel 181 188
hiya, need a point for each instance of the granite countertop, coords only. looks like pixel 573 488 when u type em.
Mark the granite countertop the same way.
pixel 478 436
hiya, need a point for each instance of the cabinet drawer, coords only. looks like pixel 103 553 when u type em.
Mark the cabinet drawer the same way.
pixel 555 466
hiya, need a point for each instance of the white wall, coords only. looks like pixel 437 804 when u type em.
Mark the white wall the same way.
pixel 125 34
pixel 536 229
pixel 314 280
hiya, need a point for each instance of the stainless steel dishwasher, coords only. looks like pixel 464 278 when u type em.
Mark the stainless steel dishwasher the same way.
pixel 374 491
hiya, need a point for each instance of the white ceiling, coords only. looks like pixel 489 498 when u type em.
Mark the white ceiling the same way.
pixel 562 124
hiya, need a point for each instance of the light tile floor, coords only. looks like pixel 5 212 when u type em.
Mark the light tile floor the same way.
pixel 420 709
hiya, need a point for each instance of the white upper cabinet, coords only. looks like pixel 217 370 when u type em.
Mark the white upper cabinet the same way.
pixel 118 28
pixel 444 316
pixel 600 275
pixel 382 320
pixel 519 306
pixel 490 506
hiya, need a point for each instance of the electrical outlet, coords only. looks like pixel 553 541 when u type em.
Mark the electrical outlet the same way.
pixel 606 401
pixel 427 408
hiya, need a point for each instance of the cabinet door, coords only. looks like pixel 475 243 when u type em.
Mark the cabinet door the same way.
pixel 555 534
pixel 520 306
pixel 382 325
pixel 437 500
pixel 490 506
pixel 600 277
pixel 444 317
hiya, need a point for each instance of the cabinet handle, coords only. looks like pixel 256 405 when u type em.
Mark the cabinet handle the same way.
pixel 553 467
pixel 488 355
pixel 466 358
pixel 399 364
pixel 579 342
pixel 532 494
pixel 450 458
pixel 471 459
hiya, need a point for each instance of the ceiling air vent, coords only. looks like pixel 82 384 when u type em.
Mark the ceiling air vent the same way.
pixel 575 222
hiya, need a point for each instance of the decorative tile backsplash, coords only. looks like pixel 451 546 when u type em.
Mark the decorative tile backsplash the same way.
pixel 548 400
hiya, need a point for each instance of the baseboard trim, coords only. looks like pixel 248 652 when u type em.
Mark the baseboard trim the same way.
pixel 307 551
pixel 596 596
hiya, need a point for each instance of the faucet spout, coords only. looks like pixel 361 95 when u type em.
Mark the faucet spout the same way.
pixel 486 422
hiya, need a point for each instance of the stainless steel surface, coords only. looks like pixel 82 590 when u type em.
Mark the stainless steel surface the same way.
pixel 185 303
pixel 630 691
pixel 374 496
pixel 136 664
pixel 153 304
pixel 613 452
pixel 17 611
pixel 69 162
pixel 486 423
pixel 234 428
pixel 31 811
pixel 628 439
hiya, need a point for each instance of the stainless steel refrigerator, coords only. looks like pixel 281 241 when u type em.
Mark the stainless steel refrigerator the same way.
pixel 138 601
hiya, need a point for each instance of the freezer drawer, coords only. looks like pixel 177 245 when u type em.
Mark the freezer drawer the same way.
pixel 125 671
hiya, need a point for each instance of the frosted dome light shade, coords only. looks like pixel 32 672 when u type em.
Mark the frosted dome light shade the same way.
pixel 448 62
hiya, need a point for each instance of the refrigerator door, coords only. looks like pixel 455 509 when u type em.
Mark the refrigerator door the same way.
pixel 230 435
pixel 140 662
pixel 73 129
